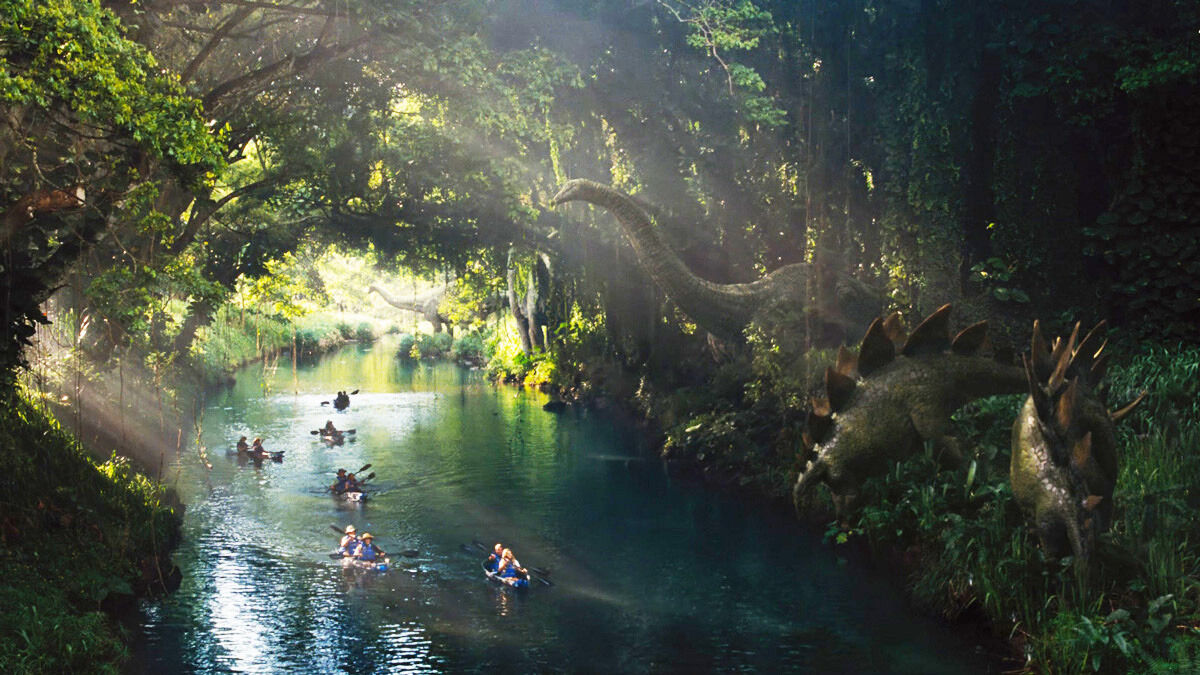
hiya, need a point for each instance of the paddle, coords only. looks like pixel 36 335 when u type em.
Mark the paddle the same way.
pixel 541 573
pixel 353 392
pixel 364 468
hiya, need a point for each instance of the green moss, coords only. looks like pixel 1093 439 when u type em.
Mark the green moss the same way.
pixel 78 538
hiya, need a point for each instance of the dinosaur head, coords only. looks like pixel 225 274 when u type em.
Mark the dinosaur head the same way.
pixel 1065 465
pixel 574 190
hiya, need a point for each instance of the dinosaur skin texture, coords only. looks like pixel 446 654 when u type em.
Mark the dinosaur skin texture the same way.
pixel 725 309
pixel 425 304
pixel 883 404
pixel 1064 448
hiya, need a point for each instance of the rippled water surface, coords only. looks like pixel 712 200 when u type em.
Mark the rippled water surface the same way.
pixel 649 575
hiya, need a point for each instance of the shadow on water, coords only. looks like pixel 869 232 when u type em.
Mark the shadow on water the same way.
pixel 648 575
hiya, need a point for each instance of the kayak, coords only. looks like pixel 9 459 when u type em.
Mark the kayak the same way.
pixel 276 456
pixel 377 566
pixel 355 496
pixel 511 582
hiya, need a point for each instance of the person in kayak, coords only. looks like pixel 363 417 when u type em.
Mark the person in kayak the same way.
pixel 329 429
pixel 510 570
pixel 242 446
pixel 349 543
pixel 257 449
pixel 341 401
pixel 339 484
pixel 367 550
pixel 493 560
pixel 352 484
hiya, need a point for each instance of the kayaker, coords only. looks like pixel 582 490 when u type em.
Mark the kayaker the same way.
pixel 329 429
pixel 349 543
pixel 339 485
pixel 510 568
pixel 352 484
pixel 367 550
pixel 341 401
pixel 257 448
pixel 493 561
pixel 242 446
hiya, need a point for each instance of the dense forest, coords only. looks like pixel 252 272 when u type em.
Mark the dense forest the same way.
pixel 767 178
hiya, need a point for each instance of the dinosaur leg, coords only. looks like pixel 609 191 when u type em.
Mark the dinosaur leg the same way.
pixel 934 426
pixel 948 451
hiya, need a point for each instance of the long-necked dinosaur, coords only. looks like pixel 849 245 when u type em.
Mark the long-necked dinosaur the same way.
pixel 425 304
pixel 884 403
pixel 725 309
pixel 1064 444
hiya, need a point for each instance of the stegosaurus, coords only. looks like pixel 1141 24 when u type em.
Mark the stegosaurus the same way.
pixel 1064 448
pixel 882 405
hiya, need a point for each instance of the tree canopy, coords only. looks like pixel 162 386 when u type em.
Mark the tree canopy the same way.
pixel 1012 156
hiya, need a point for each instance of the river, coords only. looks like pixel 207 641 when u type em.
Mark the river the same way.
pixel 648 574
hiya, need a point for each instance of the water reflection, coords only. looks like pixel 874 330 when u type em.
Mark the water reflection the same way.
pixel 648 576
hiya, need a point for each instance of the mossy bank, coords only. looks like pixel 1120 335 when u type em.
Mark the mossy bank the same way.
pixel 80 541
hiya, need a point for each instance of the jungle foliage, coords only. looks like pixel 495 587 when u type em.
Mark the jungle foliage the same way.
pixel 160 162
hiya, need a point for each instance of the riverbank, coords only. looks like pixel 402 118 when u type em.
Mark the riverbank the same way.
pixel 961 545
pixel 82 541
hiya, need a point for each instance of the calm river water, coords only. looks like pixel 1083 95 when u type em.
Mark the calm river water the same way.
pixel 649 574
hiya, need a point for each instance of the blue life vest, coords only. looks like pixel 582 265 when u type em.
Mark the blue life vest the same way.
pixel 491 563
pixel 349 547
pixel 510 570
pixel 367 551
pixel 339 485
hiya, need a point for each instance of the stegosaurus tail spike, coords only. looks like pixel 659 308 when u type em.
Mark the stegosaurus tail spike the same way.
pixel 839 388
pixel 1099 368
pixel 877 350
pixel 893 327
pixel 1118 415
pixel 1039 354
pixel 970 340
pixel 1064 350
pixel 932 336
pixel 1088 350
pixel 847 362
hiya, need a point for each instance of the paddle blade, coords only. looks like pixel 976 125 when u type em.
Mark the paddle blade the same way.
pixel 314 432
pixel 354 392
pixel 324 402
pixel 337 529
pixel 365 467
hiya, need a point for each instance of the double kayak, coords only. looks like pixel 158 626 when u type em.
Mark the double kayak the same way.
pixel 380 565
pixel 353 496
pixel 511 582
pixel 276 456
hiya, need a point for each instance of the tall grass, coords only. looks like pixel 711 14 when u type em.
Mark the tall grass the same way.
pixel 240 336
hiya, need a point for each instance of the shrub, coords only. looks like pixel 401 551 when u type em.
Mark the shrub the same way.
pixel 469 348
pixel 364 332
